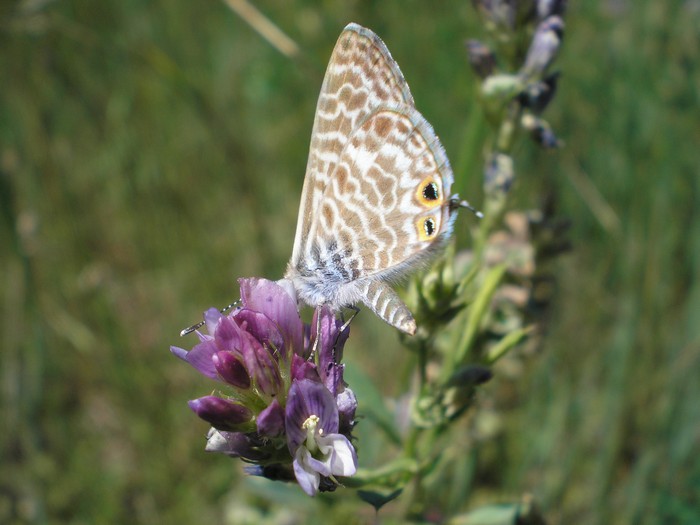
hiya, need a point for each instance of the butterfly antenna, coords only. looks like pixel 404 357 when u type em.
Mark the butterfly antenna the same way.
pixel 458 203
pixel 192 328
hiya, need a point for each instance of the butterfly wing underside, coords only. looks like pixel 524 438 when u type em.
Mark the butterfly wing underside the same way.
pixel 375 202
pixel 386 207
pixel 361 76
pixel 385 211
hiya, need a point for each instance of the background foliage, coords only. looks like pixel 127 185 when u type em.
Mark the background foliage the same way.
pixel 151 152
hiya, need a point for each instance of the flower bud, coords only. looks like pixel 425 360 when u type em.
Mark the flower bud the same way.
pixel 481 58
pixel 470 376
pixel 540 131
pixel 221 413
pixel 231 370
pixel 502 87
pixel 260 364
pixel 347 405
pixel 235 445
pixel 270 421
pixel 544 47
pixel 537 95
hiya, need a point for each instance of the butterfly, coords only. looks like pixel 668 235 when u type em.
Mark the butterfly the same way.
pixel 376 202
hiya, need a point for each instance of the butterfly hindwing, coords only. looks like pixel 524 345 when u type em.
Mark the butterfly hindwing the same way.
pixel 386 206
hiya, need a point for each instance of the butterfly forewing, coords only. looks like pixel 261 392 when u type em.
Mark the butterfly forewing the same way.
pixel 361 76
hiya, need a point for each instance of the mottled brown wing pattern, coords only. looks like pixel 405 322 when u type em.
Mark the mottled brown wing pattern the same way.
pixel 360 77
pixel 388 199
pixel 376 201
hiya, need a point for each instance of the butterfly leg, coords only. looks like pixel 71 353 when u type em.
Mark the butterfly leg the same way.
pixel 342 329
pixel 312 355
pixel 355 311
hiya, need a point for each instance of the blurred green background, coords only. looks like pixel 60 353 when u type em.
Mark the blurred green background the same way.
pixel 152 152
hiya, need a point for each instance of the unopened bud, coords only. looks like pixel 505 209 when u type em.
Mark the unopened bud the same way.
pixel 501 89
pixel 540 131
pixel 231 370
pixel 544 47
pixel 537 95
pixel 221 413
pixel 481 58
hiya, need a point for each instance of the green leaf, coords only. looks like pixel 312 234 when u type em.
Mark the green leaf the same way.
pixel 378 498
pixel 509 341
pixel 476 313
pixel 492 515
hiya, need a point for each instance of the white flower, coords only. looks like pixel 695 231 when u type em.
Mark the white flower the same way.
pixel 322 455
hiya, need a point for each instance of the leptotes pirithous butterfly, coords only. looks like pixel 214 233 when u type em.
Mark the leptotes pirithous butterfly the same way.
pixel 376 201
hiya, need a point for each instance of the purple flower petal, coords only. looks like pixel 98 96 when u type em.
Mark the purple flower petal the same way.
pixel 179 352
pixel 221 413
pixel 231 369
pixel 227 335
pixel 270 421
pixel 332 376
pixel 200 357
pixel 322 466
pixel 261 366
pixel 329 348
pixel 262 328
pixel 274 301
pixel 211 319
pixel 303 369
pixel 307 398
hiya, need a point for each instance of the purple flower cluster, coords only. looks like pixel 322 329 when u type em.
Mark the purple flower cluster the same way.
pixel 287 409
